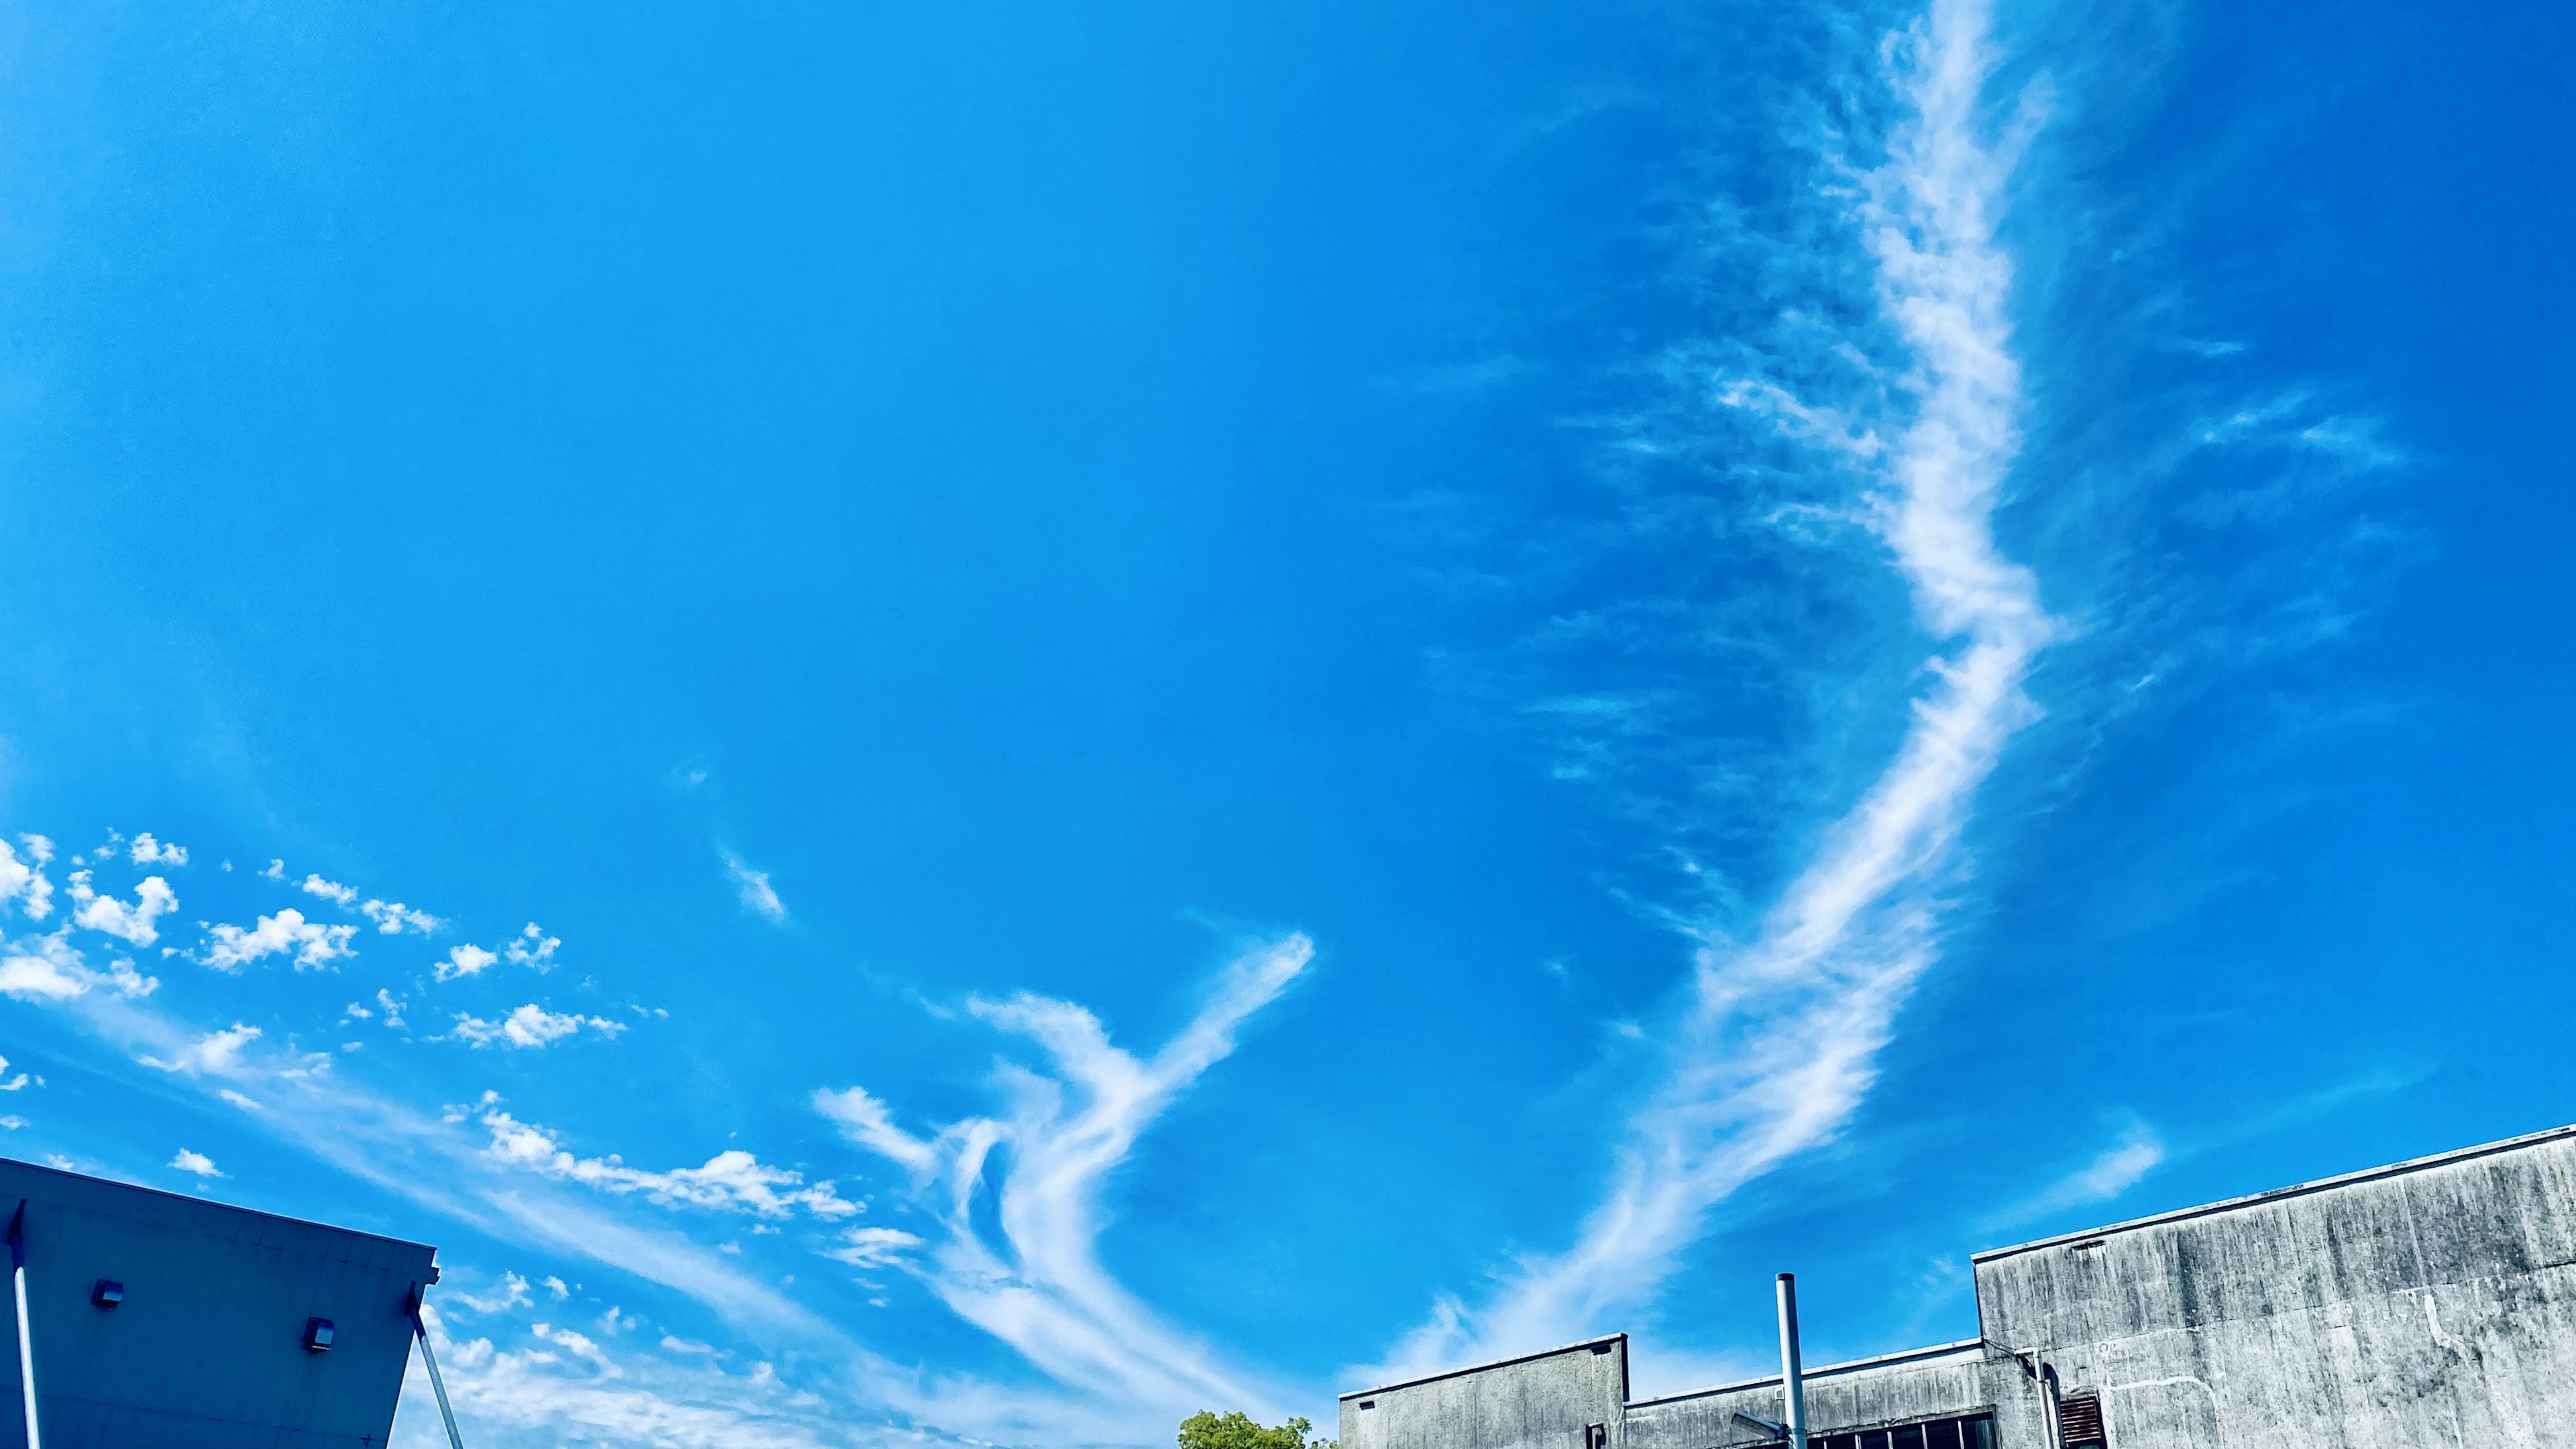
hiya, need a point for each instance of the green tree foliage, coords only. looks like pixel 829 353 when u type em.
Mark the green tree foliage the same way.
pixel 1206 1430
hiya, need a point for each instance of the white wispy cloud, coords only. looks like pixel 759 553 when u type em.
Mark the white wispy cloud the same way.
pixel 107 915
pixel 2117 1168
pixel 513 1293
pixel 48 968
pixel 329 890
pixel 144 850
pixel 392 918
pixel 196 1162
pixel 1777 1038
pixel 23 881
pixel 1039 1285
pixel 731 1181
pixel 753 887
pixel 315 945
pixel 872 1247
pixel 218 1053
pixel 529 1026
pixel 565 1387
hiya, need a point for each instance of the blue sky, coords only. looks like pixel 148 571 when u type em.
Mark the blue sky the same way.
pixel 984 724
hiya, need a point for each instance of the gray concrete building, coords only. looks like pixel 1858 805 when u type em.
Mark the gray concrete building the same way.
pixel 2426 1303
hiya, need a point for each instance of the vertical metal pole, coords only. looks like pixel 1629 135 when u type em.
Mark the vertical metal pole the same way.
pixel 2052 1432
pixel 429 1356
pixel 1793 1389
pixel 26 1345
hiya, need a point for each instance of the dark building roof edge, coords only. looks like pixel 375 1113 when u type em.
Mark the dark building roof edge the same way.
pixel 213 1203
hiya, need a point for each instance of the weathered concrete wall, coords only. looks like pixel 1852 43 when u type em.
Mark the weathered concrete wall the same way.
pixel 1540 1402
pixel 2428 1303
pixel 1935 1383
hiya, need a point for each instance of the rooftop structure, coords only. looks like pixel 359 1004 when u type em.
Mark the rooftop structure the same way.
pixel 149 1318
pixel 2430 1302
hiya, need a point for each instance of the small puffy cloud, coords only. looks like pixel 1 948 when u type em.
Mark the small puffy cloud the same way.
pixel 23 881
pixel 753 887
pixel 147 851
pixel 731 1181
pixel 329 890
pixel 529 1026
pixel 217 1052
pixel 533 948
pixel 556 1287
pixel 276 870
pixel 392 1006
pixel 392 918
pixel 314 945
pixel 13 1083
pixel 196 1162
pixel 872 1247
pixel 106 914
pixel 463 959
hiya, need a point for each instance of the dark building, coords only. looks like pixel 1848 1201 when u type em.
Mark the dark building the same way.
pixel 161 1320
pixel 2427 1303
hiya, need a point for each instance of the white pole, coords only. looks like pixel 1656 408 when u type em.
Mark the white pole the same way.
pixel 26 1345
pixel 429 1356
pixel 1793 1390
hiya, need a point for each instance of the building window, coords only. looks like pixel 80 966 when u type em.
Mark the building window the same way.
pixel 2080 1419
pixel 1971 1431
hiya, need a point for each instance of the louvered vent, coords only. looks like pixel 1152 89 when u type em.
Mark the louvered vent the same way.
pixel 2081 1419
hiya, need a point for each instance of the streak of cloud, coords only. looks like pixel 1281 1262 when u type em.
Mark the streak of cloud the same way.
pixel 1039 1286
pixel 753 887
pixel 1776 1041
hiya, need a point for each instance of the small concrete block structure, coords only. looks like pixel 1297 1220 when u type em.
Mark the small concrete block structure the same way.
pixel 205 1342
pixel 2427 1303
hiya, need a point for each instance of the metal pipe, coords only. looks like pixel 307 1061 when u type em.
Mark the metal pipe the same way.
pixel 2052 1431
pixel 26 1345
pixel 1793 1389
pixel 429 1356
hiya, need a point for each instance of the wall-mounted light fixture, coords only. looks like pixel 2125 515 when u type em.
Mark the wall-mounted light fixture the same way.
pixel 317 1334
pixel 107 1293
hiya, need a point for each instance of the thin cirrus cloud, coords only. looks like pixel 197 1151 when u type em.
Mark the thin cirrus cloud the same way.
pixel 1775 1041
pixel 2120 1166
pixel 1037 1284
pixel 22 882
pixel 752 887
